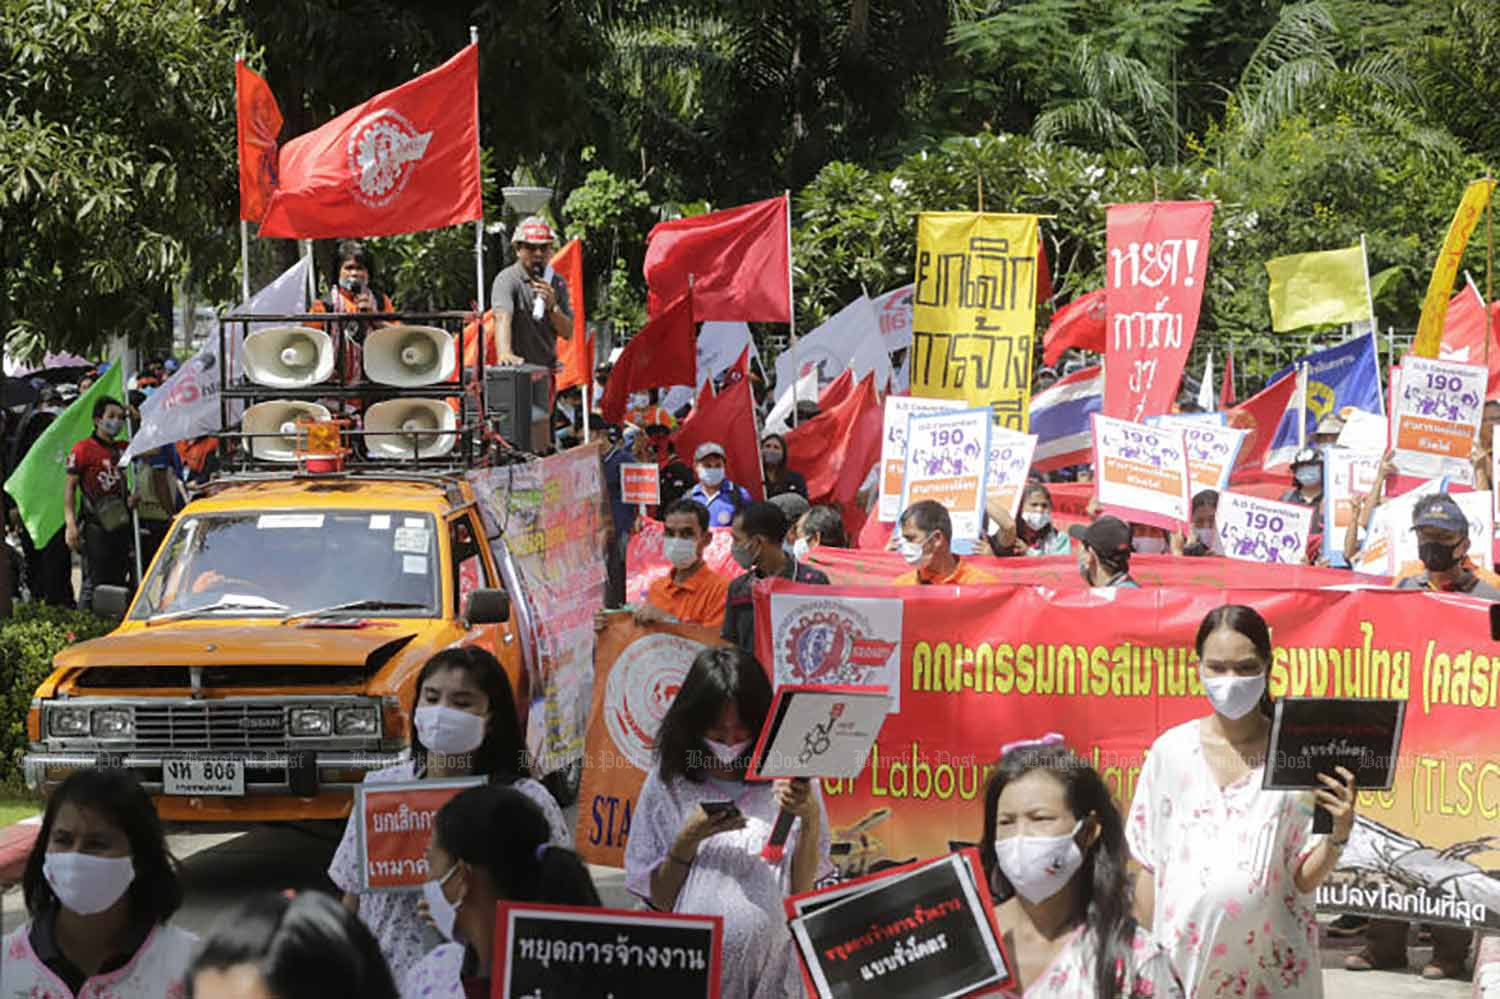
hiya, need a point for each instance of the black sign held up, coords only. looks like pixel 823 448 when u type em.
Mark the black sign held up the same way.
pixel 1313 735
pixel 574 952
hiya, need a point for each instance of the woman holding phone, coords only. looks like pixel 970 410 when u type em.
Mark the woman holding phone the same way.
pixel 699 828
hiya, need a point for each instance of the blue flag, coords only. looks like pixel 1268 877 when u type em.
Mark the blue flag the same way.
pixel 1346 375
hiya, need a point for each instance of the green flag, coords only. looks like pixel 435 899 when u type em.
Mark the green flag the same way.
pixel 37 483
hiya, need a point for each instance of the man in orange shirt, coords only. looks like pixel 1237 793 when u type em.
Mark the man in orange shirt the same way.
pixel 927 546
pixel 692 592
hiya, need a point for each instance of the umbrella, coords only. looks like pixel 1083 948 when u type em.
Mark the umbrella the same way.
pixel 17 392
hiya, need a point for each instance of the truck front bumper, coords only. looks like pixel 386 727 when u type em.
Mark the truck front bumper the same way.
pixel 296 774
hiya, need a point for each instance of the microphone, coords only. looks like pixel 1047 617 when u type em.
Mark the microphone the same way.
pixel 775 847
pixel 538 307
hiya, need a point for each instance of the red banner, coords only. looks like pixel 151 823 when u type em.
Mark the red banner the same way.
pixel 1158 256
pixel 257 125
pixel 1113 669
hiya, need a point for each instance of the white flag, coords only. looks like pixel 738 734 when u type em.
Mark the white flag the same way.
pixel 187 404
pixel 851 339
pixel 1206 387
pixel 894 311
pixel 806 390
pixel 720 344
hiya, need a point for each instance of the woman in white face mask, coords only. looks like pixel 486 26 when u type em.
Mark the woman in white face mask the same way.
pixel 99 888
pixel 489 844
pixel 463 724
pixel 698 828
pixel 1034 527
pixel 1229 870
pixel 1054 849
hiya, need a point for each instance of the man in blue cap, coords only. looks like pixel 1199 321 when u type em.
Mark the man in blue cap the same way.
pixel 1442 542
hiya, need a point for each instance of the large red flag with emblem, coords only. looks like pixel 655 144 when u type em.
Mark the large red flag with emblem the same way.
pixel 257 127
pixel 576 356
pixel 738 261
pixel 403 161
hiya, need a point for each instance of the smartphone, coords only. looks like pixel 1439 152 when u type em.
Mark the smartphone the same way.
pixel 721 809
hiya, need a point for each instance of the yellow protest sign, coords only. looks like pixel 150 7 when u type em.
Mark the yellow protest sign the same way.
pixel 974 311
pixel 1445 269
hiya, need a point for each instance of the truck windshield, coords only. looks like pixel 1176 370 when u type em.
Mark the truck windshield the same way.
pixel 278 563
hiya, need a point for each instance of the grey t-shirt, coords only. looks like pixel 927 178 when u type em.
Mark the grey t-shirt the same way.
pixel 535 342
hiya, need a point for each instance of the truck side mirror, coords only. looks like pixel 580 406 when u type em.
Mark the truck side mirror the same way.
pixel 487 607
pixel 111 601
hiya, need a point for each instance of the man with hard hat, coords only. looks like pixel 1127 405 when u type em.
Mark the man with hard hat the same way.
pixel 530 309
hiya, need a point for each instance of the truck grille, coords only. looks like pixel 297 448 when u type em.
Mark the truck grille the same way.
pixel 210 726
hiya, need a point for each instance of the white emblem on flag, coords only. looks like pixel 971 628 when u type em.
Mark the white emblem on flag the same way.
pixel 383 152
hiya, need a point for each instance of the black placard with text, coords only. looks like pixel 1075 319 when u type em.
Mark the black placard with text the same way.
pixel 1313 735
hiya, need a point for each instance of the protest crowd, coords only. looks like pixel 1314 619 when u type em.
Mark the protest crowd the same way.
pixel 858 457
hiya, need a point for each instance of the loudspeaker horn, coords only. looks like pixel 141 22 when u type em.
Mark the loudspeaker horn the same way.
pixel 278 417
pixel 410 428
pixel 287 357
pixel 408 356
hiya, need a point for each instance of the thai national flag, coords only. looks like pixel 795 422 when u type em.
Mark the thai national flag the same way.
pixel 1060 420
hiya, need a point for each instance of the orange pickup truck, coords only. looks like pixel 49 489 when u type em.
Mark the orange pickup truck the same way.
pixel 267 663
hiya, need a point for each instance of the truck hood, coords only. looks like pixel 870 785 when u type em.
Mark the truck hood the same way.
pixel 242 645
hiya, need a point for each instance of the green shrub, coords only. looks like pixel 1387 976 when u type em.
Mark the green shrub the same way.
pixel 28 641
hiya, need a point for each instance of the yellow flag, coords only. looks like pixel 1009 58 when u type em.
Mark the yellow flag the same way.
pixel 974 311
pixel 1314 289
pixel 1445 269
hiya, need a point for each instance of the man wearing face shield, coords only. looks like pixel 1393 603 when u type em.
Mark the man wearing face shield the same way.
pixel 1442 542
pixel 1307 474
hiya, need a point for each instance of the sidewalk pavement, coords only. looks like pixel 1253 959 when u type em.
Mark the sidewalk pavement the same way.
pixel 15 844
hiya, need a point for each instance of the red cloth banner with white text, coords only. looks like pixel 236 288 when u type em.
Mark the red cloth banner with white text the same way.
pixel 982 666
pixel 1153 287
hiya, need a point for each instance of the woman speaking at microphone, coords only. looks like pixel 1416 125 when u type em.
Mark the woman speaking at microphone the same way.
pixel 699 829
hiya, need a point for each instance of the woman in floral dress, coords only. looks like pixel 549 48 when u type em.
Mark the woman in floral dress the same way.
pixel 1228 869
pixel 1053 847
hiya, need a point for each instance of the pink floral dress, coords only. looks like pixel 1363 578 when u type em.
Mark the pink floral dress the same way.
pixel 1223 860
pixel 1146 974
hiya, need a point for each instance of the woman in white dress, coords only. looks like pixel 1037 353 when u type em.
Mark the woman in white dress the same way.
pixel 1053 847
pixel 463 724
pixel 698 829
pixel 302 947
pixel 1229 870
pixel 489 844
pixel 99 888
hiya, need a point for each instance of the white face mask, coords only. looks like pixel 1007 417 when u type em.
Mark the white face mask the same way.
pixel 681 552
pixel 1037 520
pixel 442 911
pixel 1038 867
pixel 448 730
pixel 915 553
pixel 800 548
pixel 1149 545
pixel 710 477
pixel 1234 697
pixel 87 884
pixel 727 753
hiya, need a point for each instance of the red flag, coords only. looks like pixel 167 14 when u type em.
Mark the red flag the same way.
pixel 1226 391
pixel 403 161
pixel 257 126
pixel 1080 324
pixel 1044 289
pixel 664 352
pixel 1464 332
pixel 576 355
pixel 837 391
pixel 738 258
pixel 1261 415
pixel 728 419
pixel 831 448
pixel 1157 259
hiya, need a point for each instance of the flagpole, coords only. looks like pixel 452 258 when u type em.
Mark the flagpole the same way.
pixel 1302 406
pixel 312 276
pixel 1364 252
pixel 135 514
pixel 244 261
pixel 479 284
pixel 791 303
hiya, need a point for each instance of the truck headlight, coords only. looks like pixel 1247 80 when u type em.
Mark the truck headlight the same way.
pixel 68 721
pixel 311 721
pixel 113 723
pixel 356 721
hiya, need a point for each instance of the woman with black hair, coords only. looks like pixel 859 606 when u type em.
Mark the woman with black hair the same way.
pixel 353 291
pixel 304 947
pixel 1034 527
pixel 99 888
pixel 779 478
pixel 698 829
pixel 489 845
pixel 1053 848
pixel 463 724
pixel 1229 870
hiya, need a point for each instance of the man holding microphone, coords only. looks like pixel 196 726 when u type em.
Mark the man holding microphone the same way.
pixel 531 309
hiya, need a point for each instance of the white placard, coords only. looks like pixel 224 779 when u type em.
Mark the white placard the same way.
pixel 844 641
pixel 947 460
pixel 1260 530
pixel 1010 462
pixel 899 409
pixel 1436 417
pixel 824 732
pixel 1366 433
pixel 1173 420
pixel 1142 472
pixel 1346 474
pixel 1212 450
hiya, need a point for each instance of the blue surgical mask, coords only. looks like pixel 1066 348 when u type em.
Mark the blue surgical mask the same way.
pixel 1308 475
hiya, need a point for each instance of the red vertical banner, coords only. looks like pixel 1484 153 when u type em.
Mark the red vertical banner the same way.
pixel 1153 281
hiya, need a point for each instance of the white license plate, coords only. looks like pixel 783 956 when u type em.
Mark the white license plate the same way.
pixel 225 778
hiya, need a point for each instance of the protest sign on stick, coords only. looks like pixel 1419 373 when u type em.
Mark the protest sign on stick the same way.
pixel 1212 451
pixel 815 731
pixel 1347 475
pixel 1010 463
pixel 640 485
pixel 1262 530
pixel 898 410
pixel 947 460
pixel 1435 417
pixel 1142 472
pixel 393 827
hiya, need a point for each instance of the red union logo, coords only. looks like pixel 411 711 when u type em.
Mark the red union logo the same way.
pixel 384 149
